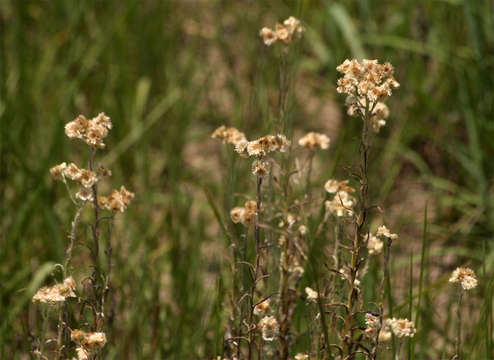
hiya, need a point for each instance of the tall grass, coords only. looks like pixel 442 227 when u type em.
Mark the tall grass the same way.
pixel 168 73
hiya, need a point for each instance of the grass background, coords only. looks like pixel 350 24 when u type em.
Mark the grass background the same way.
pixel 168 73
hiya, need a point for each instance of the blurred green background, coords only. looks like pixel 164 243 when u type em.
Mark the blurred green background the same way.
pixel 168 73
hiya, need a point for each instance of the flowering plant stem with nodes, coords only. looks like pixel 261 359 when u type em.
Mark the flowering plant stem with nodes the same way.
pixel 359 230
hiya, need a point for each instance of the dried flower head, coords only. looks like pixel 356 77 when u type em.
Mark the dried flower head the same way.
pixel 91 131
pixel 379 111
pixel 87 178
pixel 246 214
pixel 383 231
pixel 58 171
pixel 268 36
pixel 311 294
pixel 84 194
pixel 89 341
pixel 333 186
pixel 118 200
pixel 372 325
pixel 341 204
pixel 465 277
pixel 266 144
pixel 314 140
pixel 366 84
pixel 260 168
pixel 72 172
pixel 57 293
pixel 237 214
pixel 228 135
pixel 301 356
pixel 262 308
pixel 401 327
pixel 269 327
pixel 374 244
pixel 289 31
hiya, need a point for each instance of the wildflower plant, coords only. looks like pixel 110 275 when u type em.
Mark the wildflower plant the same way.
pixel 96 288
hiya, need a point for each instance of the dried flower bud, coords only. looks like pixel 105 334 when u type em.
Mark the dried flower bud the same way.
pixel 58 171
pixel 84 194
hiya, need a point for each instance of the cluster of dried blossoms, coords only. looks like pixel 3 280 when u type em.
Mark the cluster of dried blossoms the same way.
pixel 87 343
pixel 57 293
pixel 118 200
pixel 375 243
pixel 342 202
pixel 245 214
pixel 399 327
pixel 313 140
pixel 258 149
pixel 465 277
pixel 91 131
pixel 289 31
pixel 366 84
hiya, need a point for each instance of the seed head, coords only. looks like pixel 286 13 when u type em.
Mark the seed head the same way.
pixel 401 327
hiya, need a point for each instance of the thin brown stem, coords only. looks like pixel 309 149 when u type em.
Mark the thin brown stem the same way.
pixel 257 234
pixel 458 325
